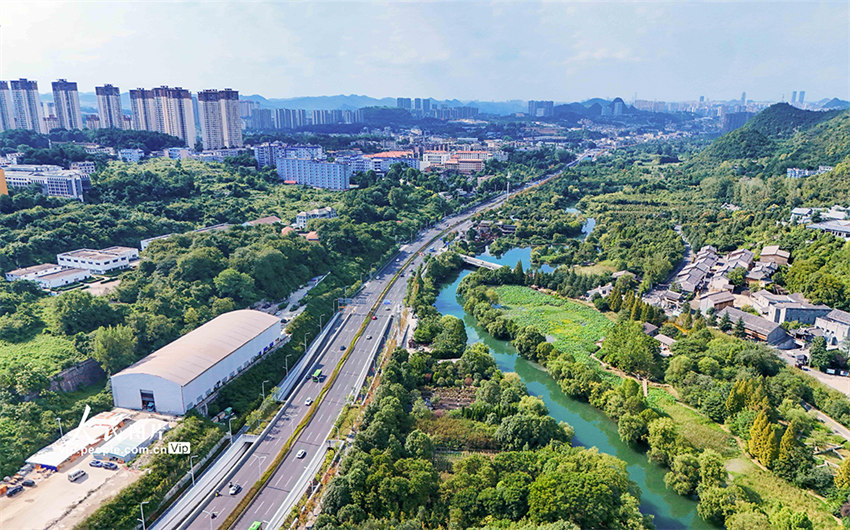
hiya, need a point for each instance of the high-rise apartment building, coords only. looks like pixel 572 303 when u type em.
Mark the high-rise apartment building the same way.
pixel 794 97
pixel 67 101
pixel 802 97
pixel 7 120
pixel 166 110
pixel 109 107
pixel 290 118
pixel 541 109
pixel 27 106
pixel 221 125
pixel 403 103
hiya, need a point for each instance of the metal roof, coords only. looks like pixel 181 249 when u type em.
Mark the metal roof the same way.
pixel 194 353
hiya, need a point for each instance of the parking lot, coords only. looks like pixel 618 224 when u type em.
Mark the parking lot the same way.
pixel 54 497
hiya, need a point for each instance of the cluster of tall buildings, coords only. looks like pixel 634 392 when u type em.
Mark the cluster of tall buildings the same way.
pixel 426 108
pixel 164 109
pixel 266 119
pixel 541 109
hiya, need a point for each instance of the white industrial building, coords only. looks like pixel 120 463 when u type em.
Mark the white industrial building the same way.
pixel 98 261
pixel 180 375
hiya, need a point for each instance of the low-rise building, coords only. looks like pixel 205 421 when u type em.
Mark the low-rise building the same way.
pixel 837 228
pixel 33 272
pixel 98 261
pixel 835 325
pixel 302 218
pixel 131 155
pixel 717 301
pixel 271 219
pixel 773 254
pixel 758 328
pixel 62 278
pixel 52 180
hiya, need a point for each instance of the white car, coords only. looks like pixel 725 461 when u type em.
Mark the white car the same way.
pixel 309 401
pixel 301 454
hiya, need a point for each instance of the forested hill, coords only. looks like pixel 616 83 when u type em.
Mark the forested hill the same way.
pixel 776 139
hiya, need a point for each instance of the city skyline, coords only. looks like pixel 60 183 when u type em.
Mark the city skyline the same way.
pixel 483 51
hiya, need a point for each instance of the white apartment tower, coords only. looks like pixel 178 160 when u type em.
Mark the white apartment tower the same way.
pixel 109 107
pixel 166 110
pixel 221 124
pixel 27 106
pixel 67 101
pixel 7 119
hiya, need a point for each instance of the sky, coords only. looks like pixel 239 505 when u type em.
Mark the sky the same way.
pixel 489 51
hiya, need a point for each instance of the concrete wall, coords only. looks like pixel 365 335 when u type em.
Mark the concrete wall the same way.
pixel 126 392
pixel 70 379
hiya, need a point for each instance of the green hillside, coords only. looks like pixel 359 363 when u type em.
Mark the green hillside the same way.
pixel 779 137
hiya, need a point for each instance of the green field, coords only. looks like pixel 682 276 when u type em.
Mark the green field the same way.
pixel 575 327
pixel 47 353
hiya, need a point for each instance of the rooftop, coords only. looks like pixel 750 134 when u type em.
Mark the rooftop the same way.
pixel 774 250
pixel 839 316
pixel 271 219
pixel 194 353
pixel 33 269
pixel 752 322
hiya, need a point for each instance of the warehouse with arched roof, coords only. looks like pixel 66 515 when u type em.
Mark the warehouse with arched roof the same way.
pixel 182 374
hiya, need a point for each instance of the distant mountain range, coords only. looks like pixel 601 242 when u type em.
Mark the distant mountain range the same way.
pixel 88 103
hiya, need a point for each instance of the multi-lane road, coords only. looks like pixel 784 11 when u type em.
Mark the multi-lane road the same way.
pixel 289 476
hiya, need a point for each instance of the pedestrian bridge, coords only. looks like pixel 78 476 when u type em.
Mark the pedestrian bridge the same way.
pixel 475 262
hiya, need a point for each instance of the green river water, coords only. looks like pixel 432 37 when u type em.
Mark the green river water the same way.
pixel 592 427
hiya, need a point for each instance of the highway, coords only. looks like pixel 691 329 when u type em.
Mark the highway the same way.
pixel 288 475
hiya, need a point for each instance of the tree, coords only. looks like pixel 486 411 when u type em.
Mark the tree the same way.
pixel 787 519
pixel 80 312
pixel 725 323
pixel 712 471
pixel 239 286
pixel 631 428
pixel 419 445
pixel 526 432
pixel 820 357
pixel 740 330
pixel 663 440
pixel 842 476
pixel 684 475
pixel 526 342
pixel 763 444
pixel 737 276
pixel 114 347
pixel 627 347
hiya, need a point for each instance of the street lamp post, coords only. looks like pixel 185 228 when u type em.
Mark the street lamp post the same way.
pixel 263 387
pixel 142 509
pixel 212 516
pixel 259 462
pixel 61 434
pixel 192 468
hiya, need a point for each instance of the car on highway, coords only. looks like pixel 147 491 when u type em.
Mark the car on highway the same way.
pixel 11 492
pixel 374 318
pixel 342 347
pixel 388 308
pixel 301 454
pixel 234 489
pixel 308 402
pixel 369 337
pixel 112 466
pixel 95 463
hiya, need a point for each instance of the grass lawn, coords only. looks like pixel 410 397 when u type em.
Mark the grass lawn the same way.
pixel 575 327
pixel 45 352
pixel 602 267
pixel 697 429
pixel 773 490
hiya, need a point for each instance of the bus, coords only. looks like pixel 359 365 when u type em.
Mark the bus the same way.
pixel 317 375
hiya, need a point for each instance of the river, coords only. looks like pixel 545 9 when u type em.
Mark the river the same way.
pixel 592 427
